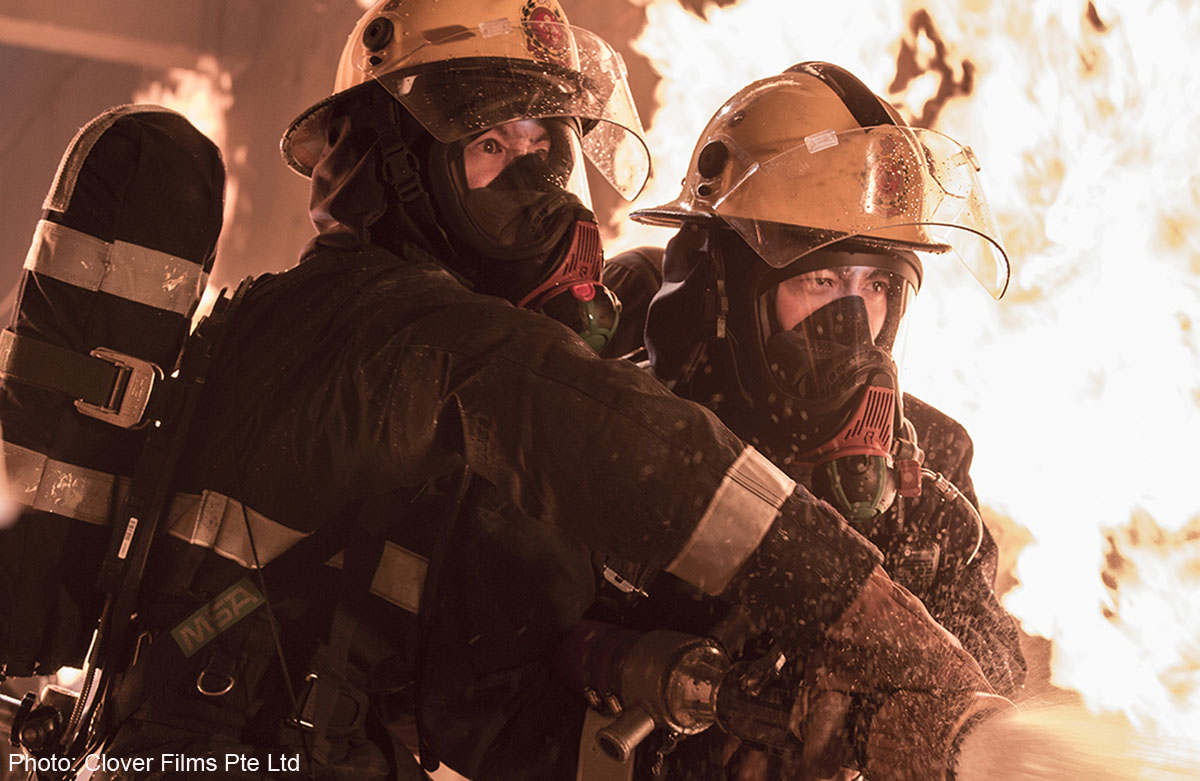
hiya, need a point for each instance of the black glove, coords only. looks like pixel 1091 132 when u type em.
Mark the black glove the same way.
pixel 888 650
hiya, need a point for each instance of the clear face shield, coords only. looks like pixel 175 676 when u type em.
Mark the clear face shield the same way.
pixel 888 185
pixel 461 81
pixel 832 326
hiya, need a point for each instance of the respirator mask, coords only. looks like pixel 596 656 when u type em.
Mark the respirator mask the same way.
pixel 830 340
pixel 517 204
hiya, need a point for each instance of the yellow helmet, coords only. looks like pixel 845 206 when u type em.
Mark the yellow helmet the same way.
pixel 810 157
pixel 460 67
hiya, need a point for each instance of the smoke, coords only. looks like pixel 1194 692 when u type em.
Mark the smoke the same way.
pixel 1068 742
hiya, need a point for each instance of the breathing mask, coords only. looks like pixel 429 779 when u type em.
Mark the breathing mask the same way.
pixel 468 74
pixel 829 340
pixel 516 202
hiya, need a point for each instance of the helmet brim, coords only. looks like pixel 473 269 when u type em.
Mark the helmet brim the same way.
pixel 304 138
pixel 674 215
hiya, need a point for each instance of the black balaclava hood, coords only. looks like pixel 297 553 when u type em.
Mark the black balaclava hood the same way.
pixel 356 199
pixel 680 317
pixel 375 182
pixel 351 202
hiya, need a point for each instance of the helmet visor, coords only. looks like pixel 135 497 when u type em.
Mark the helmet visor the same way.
pixel 886 186
pixel 472 79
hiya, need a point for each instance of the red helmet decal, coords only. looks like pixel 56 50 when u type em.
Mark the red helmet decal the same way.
pixel 545 31
pixel 888 178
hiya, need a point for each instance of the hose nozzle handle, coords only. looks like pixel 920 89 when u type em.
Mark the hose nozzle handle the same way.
pixel 620 738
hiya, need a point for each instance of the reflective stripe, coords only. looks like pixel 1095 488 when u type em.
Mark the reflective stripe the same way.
pixel 217 522
pixel 53 486
pixel 119 268
pixel 63 188
pixel 399 578
pixel 738 517
pixel 210 520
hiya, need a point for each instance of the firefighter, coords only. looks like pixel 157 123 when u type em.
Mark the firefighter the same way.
pixel 808 213
pixel 391 436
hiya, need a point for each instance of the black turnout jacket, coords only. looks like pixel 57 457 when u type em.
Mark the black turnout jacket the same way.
pixel 365 402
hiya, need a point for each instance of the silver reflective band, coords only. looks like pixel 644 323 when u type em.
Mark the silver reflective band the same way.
pixel 218 522
pixel 118 268
pixel 45 484
pixel 210 520
pixel 399 578
pixel 741 511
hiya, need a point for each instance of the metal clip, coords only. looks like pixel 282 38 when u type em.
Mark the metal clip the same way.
pixel 200 680
pixel 126 407
pixel 623 585
pixel 301 719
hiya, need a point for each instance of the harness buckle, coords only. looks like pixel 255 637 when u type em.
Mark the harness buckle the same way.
pixel 304 713
pixel 402 169
pixel 325 706
pixel 130 393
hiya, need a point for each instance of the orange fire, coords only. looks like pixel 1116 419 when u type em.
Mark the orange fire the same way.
pixel 202 94
pixel 1080 388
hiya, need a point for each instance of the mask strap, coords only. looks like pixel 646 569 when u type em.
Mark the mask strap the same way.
pixel 402 170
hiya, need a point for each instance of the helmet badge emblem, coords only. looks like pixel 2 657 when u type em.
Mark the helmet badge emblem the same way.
pixel 888 175
pixel 545 33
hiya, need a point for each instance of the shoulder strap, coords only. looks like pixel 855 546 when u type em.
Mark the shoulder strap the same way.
pixel 328 684
pixel 425 612
pixel 129 546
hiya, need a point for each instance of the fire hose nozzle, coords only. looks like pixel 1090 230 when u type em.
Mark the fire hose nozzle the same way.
pixel 656 679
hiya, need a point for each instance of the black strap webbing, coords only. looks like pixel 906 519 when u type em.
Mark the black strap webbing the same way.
pixel 51 367
pixel 329 684
pixel 156 661
pixel 427 610
pixel 135 527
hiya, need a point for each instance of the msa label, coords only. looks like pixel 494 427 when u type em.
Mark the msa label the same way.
pixel 221 612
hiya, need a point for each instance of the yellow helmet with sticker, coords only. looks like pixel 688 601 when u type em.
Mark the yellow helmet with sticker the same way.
pixel 810 157
pixel 460 67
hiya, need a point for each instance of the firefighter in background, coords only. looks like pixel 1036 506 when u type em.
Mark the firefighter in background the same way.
pixel 807 214
pixel 396 376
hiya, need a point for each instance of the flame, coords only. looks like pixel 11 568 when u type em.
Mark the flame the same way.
pixel 202 94
pixel 1067 742
pixel 1080 388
